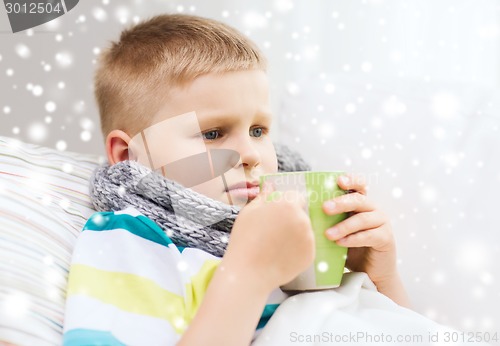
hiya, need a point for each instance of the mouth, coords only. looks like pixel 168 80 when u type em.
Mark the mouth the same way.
pixel 244 190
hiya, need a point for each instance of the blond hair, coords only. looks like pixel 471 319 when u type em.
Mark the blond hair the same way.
pixel 166 51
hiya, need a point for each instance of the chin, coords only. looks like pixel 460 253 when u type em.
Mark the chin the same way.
pixel 235 201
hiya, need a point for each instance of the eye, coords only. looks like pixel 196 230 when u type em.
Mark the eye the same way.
pixel 257 132
pixel 211 135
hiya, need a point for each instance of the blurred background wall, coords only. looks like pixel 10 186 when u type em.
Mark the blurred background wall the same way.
pixel 405 92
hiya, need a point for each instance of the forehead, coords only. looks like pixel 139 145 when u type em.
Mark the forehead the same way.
pixel 220 96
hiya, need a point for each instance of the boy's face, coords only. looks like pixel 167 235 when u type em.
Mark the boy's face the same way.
pixel 216 111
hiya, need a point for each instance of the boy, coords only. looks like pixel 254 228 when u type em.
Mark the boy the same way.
pixel 129 283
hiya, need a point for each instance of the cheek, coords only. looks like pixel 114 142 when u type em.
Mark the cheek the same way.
pixel 269 159
pixel 167 141
pixel 212 188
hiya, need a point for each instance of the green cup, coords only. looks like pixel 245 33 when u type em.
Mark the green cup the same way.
pixel 317 187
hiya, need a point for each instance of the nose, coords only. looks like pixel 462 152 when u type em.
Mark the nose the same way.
pixel 249 152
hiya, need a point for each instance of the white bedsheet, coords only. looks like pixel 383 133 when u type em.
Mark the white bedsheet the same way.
pixel 352 314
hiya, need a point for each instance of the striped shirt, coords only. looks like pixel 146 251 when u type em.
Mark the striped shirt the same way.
pixel 129 284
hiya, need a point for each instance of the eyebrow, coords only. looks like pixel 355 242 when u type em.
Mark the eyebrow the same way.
pixel 229 118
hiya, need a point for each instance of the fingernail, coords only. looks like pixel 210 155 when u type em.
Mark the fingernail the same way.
pixel 332 233
pixel 329 205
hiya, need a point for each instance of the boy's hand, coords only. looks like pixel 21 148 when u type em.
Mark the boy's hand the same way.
pixel 271 242
pixel 272 238
pixel 367 232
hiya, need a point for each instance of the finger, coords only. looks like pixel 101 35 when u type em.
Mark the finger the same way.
pixel 353 182
pixel 355 202
pixel 377 238
pixel 356 223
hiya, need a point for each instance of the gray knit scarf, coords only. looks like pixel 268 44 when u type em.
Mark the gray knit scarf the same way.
pixel 198 221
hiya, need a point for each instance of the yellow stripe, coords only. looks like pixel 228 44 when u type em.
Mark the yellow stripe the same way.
pixel 196 289
pixel 130 293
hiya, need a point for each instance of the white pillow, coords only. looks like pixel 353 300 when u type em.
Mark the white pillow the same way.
pixel 44 203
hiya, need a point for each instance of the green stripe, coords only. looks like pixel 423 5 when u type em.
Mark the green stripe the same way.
pixel 268 312
pixel 79 337
pixel 108 221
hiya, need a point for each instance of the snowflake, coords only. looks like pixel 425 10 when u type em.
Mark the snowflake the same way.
pixel 322 266
pixel 85 136
pixel 79 107
pixel 64 59
pixel 46 200
pixel 61 145
pixel 366 66
pixel 438 277
pixel 37 90
pixel 283 5
pixel 99 14
pixel 87 124
pixel 486 278
pixel 23 51
pixel 67 167
pixel 397 192
pixel 48 260
pixel 366 153
pixel 293 88
pixel 350 108
pixel 396 56
pixel 376 122
pixel 445 105
pixel 98 219
pixel 50 106
pixel 325 130
pixel 439 133
pixel 329 88
pixel 254 20
pixel 122 191
pixel 65 203
pixel 16 304
pixel 122 14
pixel 182 266
pixel 37 132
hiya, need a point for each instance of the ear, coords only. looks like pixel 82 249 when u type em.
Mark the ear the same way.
pixel 117 146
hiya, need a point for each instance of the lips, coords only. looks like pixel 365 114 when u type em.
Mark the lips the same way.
pixel 243 185
pixel 244 190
